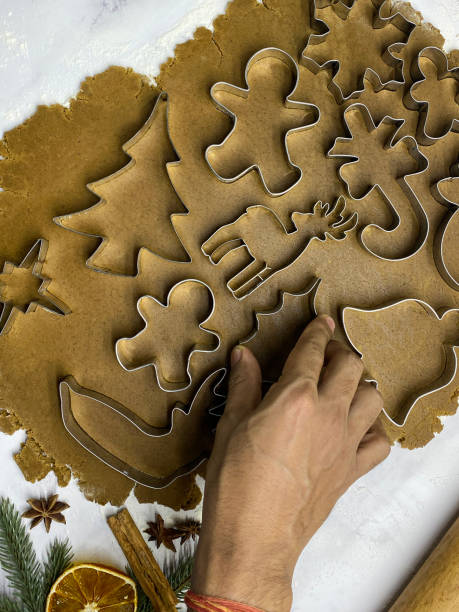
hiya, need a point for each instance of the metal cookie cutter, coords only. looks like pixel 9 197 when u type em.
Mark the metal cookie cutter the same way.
pixel 69 384
pixel 400 190
pixel 440 60
pixel 244 93
pixel 162 382
pixel 443 381
pixel 342 9
pixel 33 261
pixel 453 211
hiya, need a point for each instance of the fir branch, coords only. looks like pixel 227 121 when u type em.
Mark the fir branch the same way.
pixel 8 605
pixel 18 559
pixel 58 558
pixel 178 573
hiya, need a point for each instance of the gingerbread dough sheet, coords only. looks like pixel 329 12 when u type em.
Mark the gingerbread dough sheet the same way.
pixel 179 223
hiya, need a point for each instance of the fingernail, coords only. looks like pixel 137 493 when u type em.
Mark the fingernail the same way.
pixel 330 322
pixel 236 355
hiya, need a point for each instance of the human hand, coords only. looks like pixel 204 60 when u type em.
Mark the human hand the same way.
pixel 279 464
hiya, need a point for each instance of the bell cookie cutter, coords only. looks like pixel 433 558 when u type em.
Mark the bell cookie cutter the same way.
pixel 398 182
pixel 267 52
pixel 162 382
pixel 33 261
pixel 445 378
pixel 69 385
pixel 342 9
pixel 440 60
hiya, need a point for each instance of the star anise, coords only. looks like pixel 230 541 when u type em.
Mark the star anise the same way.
pixel 160 534
pixel 187 530
pixel 46 510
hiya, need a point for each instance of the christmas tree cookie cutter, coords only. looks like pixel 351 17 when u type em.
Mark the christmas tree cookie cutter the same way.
pixel 342 9
pixel 268 52
pixel 451 365
pixel 69 385
pixel 423 165
pixel 163 383
pixel 33 261
pixel 440 60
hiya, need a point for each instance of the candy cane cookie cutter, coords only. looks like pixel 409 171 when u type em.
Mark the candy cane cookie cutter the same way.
pixel 422 161
pixel 69 385
pixel 286 58
pixel 450 369
pixel 440 60
pixel 165 385
pixel 342 9
pixel 33 261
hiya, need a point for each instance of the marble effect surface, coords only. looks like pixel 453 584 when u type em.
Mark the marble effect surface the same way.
pixel 383 526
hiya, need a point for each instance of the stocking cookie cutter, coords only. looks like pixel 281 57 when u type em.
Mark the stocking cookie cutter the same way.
pixel 451 365
pixel 285 57
pixel 162 383
pixel 71 424
pixel 33 261
pixel 334 65
pixel 416 205
pixel 440 60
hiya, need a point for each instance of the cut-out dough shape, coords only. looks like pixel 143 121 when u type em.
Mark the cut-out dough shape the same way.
pixel 414 330
pixel 270 245
pixel 352 22
pixel 264 116
pixel 446 247
pixel 152 456
pixel 136 204
pixel 23 287
pixel 376 162
pixel 438 93
pixel 173 332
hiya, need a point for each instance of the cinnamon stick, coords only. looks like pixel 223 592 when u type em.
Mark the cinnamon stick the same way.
pixel 142 562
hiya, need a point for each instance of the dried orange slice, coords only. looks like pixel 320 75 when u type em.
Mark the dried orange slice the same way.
pixel 92 588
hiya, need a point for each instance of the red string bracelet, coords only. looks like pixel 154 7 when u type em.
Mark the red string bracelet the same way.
pixel 205 603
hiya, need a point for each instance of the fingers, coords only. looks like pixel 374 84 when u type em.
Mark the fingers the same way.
pixel 365 409
pixel 373 449
pixel 341 375
pixel 307 357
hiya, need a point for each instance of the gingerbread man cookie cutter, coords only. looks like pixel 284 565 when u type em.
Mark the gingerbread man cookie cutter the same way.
pixel 451 366
pixel 342 9
pixel 163 383
pixel 268 52
pixel 69 384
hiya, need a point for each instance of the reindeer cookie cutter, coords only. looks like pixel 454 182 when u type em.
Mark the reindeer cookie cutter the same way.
pixel 451 366
pixel 257 271
pixel 268 52
pixel 422 161
pixel 33 261
pixel 342 9
pixel 164 385
pixel 440 60
pixel 69 384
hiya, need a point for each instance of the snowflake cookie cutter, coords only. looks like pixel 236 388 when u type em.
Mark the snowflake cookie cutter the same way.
pixel 451 365
pixel 33 261
pixel 285 57
pixel 423 162
pixel 440 60
pixel 453 209
pixel 163 384
pixel 342 9
pixel 69 384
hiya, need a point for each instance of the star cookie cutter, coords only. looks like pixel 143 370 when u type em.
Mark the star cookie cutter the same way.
pixel 164 385
pixel 453 209
pixel 416 205
pixel 440 60
pixel 33 261
pixel 342 9
pixel 451 366
pixel 276 53
pixel 69 384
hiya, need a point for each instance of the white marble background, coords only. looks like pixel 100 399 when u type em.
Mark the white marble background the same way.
pixel 381 529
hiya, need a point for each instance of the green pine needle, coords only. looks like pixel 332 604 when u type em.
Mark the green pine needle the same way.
pixel 58 558
pixel 8 605
pixel 18 559
pixel 178 573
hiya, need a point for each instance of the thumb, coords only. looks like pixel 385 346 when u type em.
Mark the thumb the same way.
pixel 244 390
